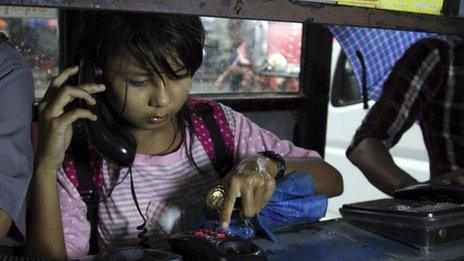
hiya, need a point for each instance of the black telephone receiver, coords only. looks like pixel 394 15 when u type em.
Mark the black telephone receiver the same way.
pixel 111 147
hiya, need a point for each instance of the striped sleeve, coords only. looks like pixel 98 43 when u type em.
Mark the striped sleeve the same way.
pixel 76 228
pixel 412 83
pixel 251 139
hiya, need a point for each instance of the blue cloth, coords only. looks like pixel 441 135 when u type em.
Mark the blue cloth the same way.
pixel 294 202
pixel 381 49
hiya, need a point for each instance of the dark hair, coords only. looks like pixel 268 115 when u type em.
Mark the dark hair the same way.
pixel 151 39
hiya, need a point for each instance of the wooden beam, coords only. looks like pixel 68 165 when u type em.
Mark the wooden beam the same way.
pixel 273 10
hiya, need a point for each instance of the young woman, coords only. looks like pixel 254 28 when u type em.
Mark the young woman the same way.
pixel 148 63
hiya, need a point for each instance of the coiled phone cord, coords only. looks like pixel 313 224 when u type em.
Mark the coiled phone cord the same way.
pixel 143 230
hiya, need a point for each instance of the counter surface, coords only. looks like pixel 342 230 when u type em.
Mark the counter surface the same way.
pixel 338 240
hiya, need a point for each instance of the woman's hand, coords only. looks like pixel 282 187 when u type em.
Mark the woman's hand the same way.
pixel 56 124
pixel 253 182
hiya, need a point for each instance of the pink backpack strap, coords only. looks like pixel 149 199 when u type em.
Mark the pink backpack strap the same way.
pixel 200 113
pixel 96 165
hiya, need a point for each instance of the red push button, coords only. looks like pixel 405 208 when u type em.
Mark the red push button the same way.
pixel 200 234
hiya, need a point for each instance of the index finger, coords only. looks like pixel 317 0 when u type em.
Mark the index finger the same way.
pixel 64 76
pixel 232 194
pixel 55 85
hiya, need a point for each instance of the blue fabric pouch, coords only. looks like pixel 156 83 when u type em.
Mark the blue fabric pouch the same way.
pixel 294 202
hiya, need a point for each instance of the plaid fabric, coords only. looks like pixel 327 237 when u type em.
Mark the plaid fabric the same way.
pixel 380 48
pixel 427 85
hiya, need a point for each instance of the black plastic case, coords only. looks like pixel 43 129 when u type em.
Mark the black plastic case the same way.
pixel 421 224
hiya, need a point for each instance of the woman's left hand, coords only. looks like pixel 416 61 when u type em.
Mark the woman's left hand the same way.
pixel 253 183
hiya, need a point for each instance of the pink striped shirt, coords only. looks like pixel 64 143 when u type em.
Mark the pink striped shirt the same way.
pixel 169 191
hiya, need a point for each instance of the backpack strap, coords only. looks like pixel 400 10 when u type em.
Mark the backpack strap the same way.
pixel 211 127
pixel 84 170
pixel 86 175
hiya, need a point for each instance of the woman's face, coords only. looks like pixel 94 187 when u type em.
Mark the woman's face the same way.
pixel 151 102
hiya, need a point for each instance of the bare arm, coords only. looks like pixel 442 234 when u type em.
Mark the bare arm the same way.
pixel 5 223
pixel 327 179
pixel 234 69
pixel 376 163
pixel 255 191
pixel 45 233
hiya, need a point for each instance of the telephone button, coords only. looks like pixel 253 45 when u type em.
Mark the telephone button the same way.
pixel 200 234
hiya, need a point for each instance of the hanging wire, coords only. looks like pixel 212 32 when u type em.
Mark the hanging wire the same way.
pixel 143 230
pixel 363 79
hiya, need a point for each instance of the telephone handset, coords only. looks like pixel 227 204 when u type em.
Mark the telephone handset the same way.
pixel 109 145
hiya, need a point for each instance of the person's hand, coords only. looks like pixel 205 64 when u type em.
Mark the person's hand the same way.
pixel 248 75
pixel 219 83
pixel 56 124
pixel 451 178
pixel 253 182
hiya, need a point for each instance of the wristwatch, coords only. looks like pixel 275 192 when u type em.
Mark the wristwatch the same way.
pixel 279 160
